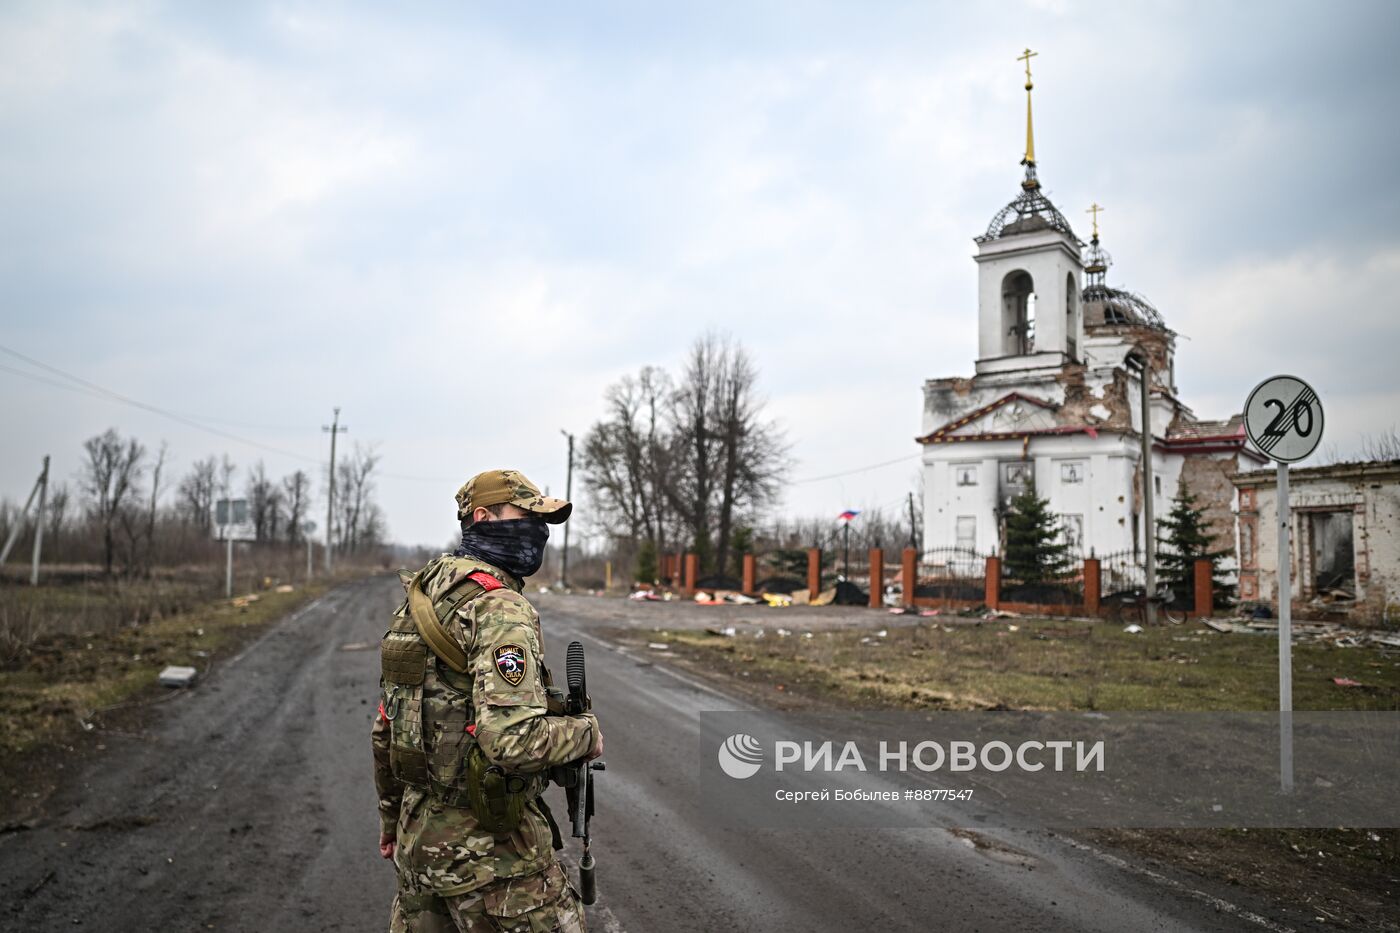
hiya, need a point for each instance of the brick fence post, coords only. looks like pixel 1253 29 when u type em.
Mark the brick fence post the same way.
pixel 750 574
pixel 1205 597
pixel 692 572
pixel 877 578
pixel 909 574
pixel 1093 585
pixel 993 591
pixel 814 572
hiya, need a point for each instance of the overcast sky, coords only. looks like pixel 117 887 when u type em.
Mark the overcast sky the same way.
pixel 460 223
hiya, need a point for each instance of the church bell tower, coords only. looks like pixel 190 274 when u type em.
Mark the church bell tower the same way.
pixel 1029 278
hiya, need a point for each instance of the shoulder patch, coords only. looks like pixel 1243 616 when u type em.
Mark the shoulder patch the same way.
pixel 485 581
pixel 510 664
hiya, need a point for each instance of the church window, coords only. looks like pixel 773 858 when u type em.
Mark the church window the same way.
pixel 1072 527
pixel 967 532
pixel 1071 319
pixel 1018 303
pixel 966 474
pixel 1072 472
pixel 1246 543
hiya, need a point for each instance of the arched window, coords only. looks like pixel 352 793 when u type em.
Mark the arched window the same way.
pixel 1071 317
pixel 1018 313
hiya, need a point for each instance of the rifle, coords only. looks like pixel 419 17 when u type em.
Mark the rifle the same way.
pixel 578 786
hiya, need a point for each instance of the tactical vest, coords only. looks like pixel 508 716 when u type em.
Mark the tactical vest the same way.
pixel 428 703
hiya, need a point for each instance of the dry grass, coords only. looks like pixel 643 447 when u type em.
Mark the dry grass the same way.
pixel 1046 665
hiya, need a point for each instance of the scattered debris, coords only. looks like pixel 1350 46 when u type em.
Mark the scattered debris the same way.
pixel 1347 682
pixel 357 646
pixel 644 596
pixel 284 588
pixel 777 600
pixel 1132 629
pixel 726 632
pixel 174 676
pixel 658 646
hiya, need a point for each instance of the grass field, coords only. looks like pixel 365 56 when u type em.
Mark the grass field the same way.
pixel 1045 665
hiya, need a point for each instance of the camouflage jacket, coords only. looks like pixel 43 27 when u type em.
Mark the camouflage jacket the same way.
pixel 440 848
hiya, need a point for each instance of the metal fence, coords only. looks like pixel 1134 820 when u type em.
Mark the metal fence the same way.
pixel 1122 571
pixel 951 573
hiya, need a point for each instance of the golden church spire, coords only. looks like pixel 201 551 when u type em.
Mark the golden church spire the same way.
pixel 1094 209
pixel 1030 130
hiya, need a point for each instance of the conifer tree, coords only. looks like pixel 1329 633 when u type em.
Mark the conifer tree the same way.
pixel 646 561
pixel 1183 537
pixel 1035 549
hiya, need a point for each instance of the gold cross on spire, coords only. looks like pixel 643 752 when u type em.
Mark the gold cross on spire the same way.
pixel 1026 57
pixel 1095 209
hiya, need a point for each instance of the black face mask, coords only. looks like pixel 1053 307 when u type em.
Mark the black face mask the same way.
pixel 516 545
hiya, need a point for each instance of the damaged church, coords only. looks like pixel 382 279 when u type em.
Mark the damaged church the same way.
pixel 1054 398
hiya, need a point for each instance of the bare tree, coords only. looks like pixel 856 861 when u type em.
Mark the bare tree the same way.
pixel 355 500
pixel 113 467
pixel 151 510
pixel 1382 446
pixel 197 493
pixel 264 504
pixel 296 491
pixel 687 462
pixel 626 459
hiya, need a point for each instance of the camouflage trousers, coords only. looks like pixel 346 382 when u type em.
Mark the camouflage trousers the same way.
pixel 544 902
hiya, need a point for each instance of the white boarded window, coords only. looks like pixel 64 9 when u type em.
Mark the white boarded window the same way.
pixel 967 532
pixel 965 474
pixel 1072 472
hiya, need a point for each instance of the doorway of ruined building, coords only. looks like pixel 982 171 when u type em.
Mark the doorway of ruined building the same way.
pixel 1331 554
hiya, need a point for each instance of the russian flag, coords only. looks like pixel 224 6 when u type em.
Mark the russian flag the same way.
pixel 848 516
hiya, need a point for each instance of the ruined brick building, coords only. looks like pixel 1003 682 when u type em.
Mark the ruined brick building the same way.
pixel 1054 398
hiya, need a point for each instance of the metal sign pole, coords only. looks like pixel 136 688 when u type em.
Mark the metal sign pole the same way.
pixel 308 558
pixel 1285 635
pixel 228 562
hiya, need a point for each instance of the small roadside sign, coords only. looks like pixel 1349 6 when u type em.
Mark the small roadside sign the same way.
pixel 1283 418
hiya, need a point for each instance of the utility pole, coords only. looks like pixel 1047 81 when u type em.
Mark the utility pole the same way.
pixel 568 496
pixel 39 523
pixel 334 428
pixel 1139 361
pixel 40 483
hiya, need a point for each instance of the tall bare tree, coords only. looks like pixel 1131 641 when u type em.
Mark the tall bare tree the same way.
pixel 689 461
pixel 296 490
pixel 109 477
pixel 358 515
pixel 197 491
pixel 264 503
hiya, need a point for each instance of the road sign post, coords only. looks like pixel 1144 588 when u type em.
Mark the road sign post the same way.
pixel 1283 418
pixel 231 517
pixel 306 529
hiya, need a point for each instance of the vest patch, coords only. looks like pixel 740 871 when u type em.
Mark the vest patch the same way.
pixel 510 663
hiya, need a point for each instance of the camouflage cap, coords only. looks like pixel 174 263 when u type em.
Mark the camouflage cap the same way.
pixel 498 486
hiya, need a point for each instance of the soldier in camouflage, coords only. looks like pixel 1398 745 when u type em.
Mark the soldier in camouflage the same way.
pixel 458 868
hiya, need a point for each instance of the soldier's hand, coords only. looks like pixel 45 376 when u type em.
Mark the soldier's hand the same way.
pixel 597 749
pixel 387 843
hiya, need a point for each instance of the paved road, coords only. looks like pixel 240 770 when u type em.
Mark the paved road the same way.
pixel 247 805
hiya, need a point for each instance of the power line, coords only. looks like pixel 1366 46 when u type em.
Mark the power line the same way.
pixel 94 389
pixel 863 469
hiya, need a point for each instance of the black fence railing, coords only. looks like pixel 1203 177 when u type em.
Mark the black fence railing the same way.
pixel 1121 572
pixel 951 573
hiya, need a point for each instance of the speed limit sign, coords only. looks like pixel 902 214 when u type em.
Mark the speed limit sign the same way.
pixel 1283 418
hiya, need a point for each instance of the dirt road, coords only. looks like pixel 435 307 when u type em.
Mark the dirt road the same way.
pixel 247 804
